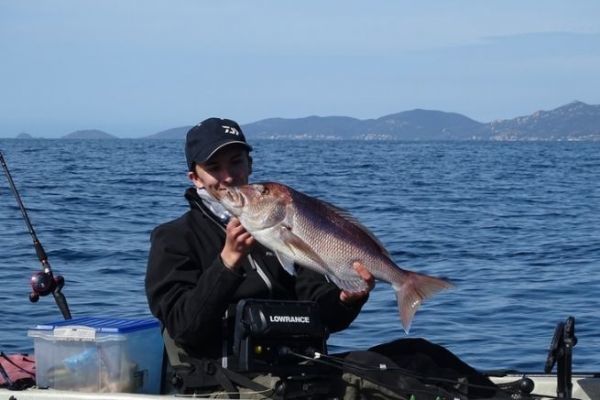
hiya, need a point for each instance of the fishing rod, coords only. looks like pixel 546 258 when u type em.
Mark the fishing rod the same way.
pixel 44 282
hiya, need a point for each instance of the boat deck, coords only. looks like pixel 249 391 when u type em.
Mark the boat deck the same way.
pixel 585 387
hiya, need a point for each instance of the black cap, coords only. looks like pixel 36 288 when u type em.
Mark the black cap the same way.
pixel 209 136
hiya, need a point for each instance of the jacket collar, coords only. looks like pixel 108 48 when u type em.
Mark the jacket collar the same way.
pixel 196 203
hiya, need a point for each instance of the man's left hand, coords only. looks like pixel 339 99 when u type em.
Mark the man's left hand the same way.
pixel 354 297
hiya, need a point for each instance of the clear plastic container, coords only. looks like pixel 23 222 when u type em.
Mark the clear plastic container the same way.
pixel 94 354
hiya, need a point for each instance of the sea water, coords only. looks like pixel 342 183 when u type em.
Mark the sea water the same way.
pixel 514 225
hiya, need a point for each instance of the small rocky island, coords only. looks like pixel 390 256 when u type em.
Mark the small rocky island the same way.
pixel 89 134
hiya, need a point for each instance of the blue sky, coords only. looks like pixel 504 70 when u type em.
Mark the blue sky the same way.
pixel 133 68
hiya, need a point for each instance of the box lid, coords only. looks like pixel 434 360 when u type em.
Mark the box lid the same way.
pixel 104 325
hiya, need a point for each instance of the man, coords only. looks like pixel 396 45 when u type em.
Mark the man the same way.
pixel 200 264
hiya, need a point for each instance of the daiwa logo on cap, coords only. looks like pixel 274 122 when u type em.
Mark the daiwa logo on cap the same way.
pixel 231 130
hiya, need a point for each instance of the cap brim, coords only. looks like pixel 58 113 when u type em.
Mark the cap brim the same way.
pixel 200 160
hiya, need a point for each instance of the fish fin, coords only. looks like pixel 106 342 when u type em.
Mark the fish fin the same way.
pixel 352 284
pixel 413 290
pixel 308 203
pixel 286 262
pixel 352 219
pixel 300 248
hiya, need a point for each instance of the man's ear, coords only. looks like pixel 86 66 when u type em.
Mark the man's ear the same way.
pixel 249 164
pixel 193 176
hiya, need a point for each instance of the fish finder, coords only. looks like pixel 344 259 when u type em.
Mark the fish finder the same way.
pixel 270 334
pixel 278 337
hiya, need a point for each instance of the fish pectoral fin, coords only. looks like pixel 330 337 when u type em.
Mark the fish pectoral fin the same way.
pixel 351 284
pixel 286 262
pixel 300 248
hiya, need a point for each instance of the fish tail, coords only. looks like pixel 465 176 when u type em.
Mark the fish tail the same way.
pixel 412 290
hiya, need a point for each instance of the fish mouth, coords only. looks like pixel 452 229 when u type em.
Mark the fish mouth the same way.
pixel 233 198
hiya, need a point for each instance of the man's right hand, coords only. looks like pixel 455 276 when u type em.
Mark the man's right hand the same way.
pixel 238 243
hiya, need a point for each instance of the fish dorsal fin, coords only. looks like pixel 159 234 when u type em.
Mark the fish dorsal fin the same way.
pixel 286 262
pixel 352 219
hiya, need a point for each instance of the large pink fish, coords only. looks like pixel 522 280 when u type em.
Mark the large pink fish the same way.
pixel 304 230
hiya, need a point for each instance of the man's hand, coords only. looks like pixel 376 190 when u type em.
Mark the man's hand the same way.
pixel 354 297
pixel 238 243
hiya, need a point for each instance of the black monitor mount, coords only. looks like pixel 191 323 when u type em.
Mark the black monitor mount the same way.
pixel 561 354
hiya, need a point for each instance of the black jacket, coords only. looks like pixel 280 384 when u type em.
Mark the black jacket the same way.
pixel 189 289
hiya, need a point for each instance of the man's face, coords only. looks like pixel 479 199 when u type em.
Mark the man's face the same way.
pixel 230 166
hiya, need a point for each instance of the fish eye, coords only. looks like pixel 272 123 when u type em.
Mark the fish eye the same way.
pixel 264 191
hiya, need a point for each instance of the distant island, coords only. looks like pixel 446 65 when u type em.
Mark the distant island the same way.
pixel 89 134
pixel 576 121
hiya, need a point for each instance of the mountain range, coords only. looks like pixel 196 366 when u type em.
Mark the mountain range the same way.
pixel 573 121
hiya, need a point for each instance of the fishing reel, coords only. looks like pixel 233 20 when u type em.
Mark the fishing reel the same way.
pixel 44 283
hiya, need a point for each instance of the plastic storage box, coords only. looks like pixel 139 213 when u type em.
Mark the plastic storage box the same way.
pixel 99 355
